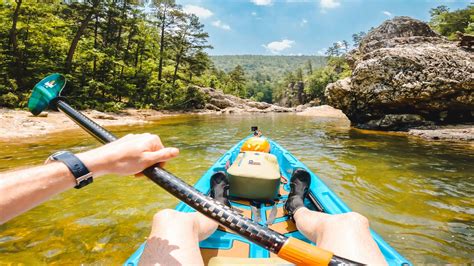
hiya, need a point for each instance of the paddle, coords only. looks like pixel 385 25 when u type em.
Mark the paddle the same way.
pixel 47 93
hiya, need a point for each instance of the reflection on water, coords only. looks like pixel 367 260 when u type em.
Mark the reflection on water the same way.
pixel 418 195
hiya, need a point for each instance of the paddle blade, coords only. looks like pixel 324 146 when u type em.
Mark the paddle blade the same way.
pixel 45 91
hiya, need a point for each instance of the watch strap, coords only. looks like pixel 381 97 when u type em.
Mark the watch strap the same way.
pixel 76 166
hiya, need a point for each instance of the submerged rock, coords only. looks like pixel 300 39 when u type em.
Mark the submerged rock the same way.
pixel 405 75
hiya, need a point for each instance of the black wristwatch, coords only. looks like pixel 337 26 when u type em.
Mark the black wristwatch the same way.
pixel 78 169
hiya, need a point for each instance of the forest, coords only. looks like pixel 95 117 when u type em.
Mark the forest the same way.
pixel 152 54
pixel 115 54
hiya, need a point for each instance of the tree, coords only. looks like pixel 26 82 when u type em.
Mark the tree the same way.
pixel 13 43
pixel 448 23
pixel 309 67
pixel 357 38
pixel 299 74
pixel 237 80
pixel 189 39
pixel 165 21
pixel 90 10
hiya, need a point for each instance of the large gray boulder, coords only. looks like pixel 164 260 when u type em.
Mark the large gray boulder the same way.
pixel 405 75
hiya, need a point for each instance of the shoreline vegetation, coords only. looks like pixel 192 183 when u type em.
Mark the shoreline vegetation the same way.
pixel 120 58
pixel 18 124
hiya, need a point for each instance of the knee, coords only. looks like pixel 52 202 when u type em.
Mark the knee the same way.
pixel 167 216
pixel 354 219
pixel 172 218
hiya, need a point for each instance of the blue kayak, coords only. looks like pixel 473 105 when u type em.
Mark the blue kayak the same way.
pixel 225 247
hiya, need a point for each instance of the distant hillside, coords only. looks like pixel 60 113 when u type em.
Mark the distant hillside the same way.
pixel 274 65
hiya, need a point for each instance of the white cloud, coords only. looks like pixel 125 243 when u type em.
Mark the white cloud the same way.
pixel 221 25
pixel 278 46
pixel 303 22
pixel 328 4
pixel 199 11
pixel 254 13
pixel 262 2
pixel 386 13
pixel 321 51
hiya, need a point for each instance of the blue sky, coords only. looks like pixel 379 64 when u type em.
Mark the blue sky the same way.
pixel 293 27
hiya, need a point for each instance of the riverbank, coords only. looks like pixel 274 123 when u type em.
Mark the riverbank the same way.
pixel 21 124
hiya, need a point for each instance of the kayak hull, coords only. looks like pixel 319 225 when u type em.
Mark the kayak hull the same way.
pixel 225 243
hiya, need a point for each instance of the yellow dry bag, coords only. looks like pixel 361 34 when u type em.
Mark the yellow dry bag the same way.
pixel 256 144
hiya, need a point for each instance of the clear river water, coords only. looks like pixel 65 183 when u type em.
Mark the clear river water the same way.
pixel 417 194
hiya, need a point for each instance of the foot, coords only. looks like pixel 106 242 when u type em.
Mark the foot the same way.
pixel 300 181
pixel 220 188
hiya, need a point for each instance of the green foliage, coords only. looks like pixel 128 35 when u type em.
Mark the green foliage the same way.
pixel 317 82
pixel 357 38
pixel 274 66
pixel 9 100
pixel 112 52
pixel 447 23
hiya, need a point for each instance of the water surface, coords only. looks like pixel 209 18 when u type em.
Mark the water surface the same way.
pixel 417 194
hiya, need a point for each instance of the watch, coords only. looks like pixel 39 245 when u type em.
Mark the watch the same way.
pixel 78 169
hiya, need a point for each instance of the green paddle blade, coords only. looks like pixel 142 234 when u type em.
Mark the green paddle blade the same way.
pixel 45 91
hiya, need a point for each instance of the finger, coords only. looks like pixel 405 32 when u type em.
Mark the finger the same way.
pixel 162 155
pixel 156 143
pixel 139 175
pixel 162 164
pixel 125 138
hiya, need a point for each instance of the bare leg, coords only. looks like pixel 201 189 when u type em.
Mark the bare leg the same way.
pixel 174 238
pixel 347 235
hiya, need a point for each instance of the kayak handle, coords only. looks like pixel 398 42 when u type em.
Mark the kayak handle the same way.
pixel 291 249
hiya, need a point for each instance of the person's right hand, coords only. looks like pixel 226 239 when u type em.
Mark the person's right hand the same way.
pixel 128 155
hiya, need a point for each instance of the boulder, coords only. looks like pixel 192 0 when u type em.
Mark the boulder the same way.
pixel 230 104
pixel 100 115
pixel 405 75
pixel 323 111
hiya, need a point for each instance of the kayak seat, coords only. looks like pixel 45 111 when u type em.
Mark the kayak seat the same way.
pixel 218 261
pixel 254 175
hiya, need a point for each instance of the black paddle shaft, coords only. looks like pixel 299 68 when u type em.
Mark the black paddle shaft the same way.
pixel 263 236
pixel 206 205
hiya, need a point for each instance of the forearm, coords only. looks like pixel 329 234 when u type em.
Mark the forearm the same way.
pixel 24 189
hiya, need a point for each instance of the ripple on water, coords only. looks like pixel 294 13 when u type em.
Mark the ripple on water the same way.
pixel 417 194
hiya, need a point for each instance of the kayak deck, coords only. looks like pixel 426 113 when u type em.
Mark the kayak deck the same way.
pixel 225 243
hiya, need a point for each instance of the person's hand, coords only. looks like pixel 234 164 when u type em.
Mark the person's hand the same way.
pixel 128 155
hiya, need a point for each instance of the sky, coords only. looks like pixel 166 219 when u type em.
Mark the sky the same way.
pixel 297 27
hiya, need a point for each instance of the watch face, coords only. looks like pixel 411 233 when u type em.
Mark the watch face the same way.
pixel 53 157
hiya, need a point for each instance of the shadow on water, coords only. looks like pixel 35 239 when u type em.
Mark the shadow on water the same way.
pixel 417 194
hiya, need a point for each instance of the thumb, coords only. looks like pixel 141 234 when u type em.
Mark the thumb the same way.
pixel 162 155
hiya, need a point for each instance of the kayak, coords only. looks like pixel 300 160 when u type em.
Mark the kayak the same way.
pixel 225 247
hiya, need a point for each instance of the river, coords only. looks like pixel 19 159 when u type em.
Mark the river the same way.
pixel 417 194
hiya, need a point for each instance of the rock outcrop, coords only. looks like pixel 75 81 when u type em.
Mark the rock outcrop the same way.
pixel 405 75
pixel 323 111
pixel 226 103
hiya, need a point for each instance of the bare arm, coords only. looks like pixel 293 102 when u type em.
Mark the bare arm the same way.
pixel 22 190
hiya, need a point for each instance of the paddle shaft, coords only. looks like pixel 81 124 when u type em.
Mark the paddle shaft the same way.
pixel 291 249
